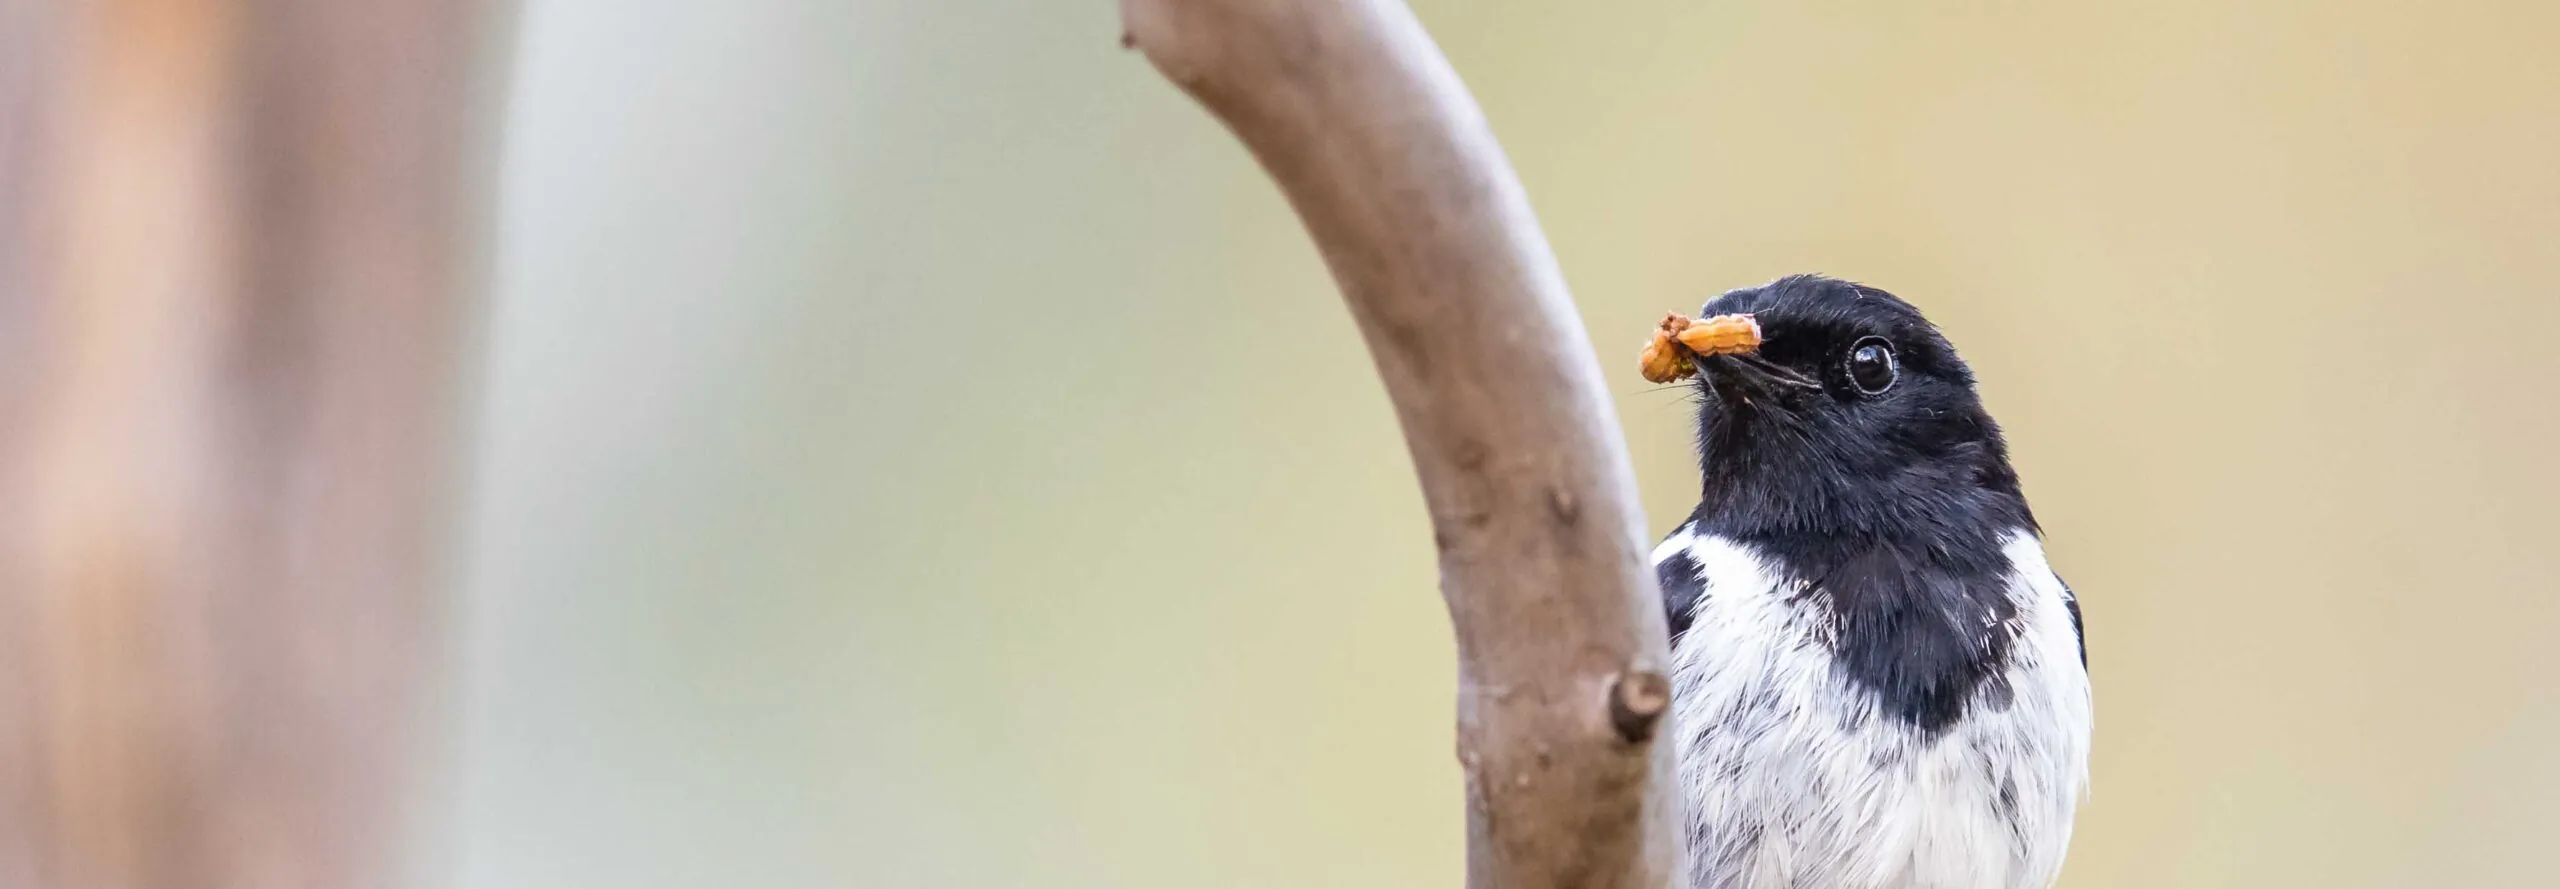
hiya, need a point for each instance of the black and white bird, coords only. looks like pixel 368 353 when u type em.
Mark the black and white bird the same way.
pixel 1877 681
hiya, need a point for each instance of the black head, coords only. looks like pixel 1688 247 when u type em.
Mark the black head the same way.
pixel 1854 419
pixel 1851 451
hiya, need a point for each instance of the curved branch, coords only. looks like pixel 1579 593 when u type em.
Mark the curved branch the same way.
pixel 1388 161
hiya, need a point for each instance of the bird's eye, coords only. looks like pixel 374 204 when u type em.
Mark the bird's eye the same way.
pixel 1871 365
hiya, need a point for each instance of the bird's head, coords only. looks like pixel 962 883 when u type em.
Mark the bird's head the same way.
pixel 1851 416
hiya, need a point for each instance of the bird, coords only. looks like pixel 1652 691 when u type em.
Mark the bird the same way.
pixel 1878 681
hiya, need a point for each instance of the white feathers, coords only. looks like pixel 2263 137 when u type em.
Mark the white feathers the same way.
pixel 1795 779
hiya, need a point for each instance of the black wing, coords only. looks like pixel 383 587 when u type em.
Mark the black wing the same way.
pixel 2071 603
pixel 1682 584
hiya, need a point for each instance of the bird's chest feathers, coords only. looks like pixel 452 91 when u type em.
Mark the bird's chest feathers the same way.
pixel 1924 634
pixel 1919 735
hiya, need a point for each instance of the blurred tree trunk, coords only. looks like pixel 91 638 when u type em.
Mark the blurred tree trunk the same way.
pixel 232 248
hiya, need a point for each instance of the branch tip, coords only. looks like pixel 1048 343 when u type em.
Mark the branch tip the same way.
pixel 1636 703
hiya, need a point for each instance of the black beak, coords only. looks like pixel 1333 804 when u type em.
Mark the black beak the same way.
pixel 1746 379
pixel 1734 383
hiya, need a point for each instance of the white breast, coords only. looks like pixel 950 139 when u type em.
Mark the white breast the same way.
pixel 1795 778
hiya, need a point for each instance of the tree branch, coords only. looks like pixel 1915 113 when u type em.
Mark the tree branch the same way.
pixel 1388 161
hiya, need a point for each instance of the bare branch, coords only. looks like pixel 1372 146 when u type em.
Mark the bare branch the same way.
pixel 1349 105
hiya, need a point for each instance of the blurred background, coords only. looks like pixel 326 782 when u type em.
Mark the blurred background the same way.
pixel 910 444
